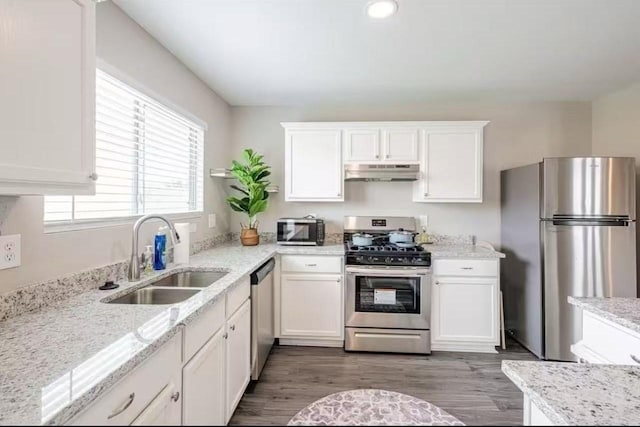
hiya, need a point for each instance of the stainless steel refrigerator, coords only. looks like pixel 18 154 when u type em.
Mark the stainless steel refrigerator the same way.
pixel 568 228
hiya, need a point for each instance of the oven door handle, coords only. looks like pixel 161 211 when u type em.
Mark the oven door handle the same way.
pixel 365 271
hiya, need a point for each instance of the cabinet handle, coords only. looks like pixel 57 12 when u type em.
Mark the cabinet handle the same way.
pixel 93 177
pixel 387 156
pixel 467 268
pixel 123 407
pixel 311 265
pixel 225 336
pixel 437 283
pixel 635 359
pixel 426 194
pixel 377 157
pixel 338 280
pixel 233 327
pixel 175 396
pixel 339 194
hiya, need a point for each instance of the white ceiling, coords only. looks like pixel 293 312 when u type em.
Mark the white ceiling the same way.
pixel 293 52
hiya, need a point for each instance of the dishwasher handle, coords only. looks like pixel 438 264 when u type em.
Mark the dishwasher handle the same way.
pixel 263 271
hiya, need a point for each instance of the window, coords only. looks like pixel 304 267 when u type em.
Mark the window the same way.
pixel 149 159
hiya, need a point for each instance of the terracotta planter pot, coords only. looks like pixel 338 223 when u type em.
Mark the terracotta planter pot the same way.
pixel 249 237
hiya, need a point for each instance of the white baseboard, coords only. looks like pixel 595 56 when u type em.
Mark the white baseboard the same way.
pixel 464 347
pixel 312 342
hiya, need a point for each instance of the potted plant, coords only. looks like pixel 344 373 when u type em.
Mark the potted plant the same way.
pixel 252 184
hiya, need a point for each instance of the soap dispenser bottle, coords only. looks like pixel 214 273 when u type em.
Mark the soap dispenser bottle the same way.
pixel 147 259
pixel 160 250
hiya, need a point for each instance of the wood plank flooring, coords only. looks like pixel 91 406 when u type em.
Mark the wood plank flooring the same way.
pixel 470 386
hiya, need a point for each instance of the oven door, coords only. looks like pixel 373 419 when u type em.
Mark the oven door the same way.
pixel 388 297
pixel 297 232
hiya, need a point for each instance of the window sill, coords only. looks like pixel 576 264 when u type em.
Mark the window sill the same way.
pixel 62 227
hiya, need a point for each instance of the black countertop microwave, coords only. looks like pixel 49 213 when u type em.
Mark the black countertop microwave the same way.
pixel 300 231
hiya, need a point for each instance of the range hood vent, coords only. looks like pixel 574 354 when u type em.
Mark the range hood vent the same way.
pixel 381 172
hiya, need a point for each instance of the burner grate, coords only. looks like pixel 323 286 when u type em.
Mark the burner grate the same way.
pixel 390 247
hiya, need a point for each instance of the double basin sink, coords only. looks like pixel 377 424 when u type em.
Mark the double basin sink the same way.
pixel 171 289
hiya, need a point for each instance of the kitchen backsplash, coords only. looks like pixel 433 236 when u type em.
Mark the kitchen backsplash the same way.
pixel 42 294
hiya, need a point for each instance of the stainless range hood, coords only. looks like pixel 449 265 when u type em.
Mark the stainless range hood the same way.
pixel 381 172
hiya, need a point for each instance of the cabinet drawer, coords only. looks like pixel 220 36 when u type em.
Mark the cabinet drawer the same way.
pixel 131 395
pixel 198 332
pixel 237 296
pixel 311 264
pixel 614 343
pixel 462 267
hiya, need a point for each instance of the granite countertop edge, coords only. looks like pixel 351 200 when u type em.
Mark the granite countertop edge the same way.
pixel 544 406
pixel 210 296
pixel 615 309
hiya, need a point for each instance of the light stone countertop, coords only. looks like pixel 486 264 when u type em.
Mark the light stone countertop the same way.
pixel 44 355
pixel 580 394
pixel 623 311
pixel 461 251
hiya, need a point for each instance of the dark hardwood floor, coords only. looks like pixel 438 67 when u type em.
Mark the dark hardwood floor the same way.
pixel 470 386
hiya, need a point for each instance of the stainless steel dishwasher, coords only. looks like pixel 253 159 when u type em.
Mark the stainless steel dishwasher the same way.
pixel 262 329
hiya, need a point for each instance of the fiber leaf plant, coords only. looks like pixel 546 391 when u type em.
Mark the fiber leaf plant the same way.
pixel 251 175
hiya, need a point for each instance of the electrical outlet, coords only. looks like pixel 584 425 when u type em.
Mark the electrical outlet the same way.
pixel 212 220
pixel 9 251
pixel 424 221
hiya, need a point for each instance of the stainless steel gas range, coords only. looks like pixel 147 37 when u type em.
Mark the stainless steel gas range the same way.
pixel 388 296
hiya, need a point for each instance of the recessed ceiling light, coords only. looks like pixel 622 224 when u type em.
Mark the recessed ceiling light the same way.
pixel 380 9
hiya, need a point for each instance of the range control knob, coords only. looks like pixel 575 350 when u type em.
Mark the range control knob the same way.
pixel 360 258
pixel 388 260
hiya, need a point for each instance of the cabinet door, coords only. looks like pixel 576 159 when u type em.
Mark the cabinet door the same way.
pixel 313 166
pixel 164 410
pixel 203 384
pixel 238 356
pixel 451 166
pixel 465 309
pixel 401 145
pixel 311 305
pixel 361 145
pixel 47 97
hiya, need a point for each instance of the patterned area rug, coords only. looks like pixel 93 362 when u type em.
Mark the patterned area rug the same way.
pixel 373 408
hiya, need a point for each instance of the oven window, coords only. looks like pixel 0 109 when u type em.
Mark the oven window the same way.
pixel 388 294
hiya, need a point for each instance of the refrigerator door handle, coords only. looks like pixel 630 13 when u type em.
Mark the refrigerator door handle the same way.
pixel 593 222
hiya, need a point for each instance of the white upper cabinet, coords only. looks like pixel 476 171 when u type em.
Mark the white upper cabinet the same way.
pixel 361 145
pixel 47 97
pixel 400 145
pixel 451 164
pixel 313 165
pixel 372 144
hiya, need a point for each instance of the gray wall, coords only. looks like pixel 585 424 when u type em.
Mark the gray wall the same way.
pixel 616 132
pixel 126 46
pixel 519 133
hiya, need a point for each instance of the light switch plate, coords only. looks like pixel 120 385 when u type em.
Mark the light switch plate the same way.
pixel 212 220
pixel 9 251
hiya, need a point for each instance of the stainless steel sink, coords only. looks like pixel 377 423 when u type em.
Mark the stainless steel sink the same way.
pixel 190 279
pixel 156 296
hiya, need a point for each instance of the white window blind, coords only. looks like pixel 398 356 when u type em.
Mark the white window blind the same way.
pixel 149 159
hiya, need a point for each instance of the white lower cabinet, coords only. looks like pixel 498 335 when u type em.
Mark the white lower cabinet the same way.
pixel 164 410
pixel 203 384
pixel 311 305
pixel 205 390
pixel 149 391
pixel 238 356
pixel 532 415
pixel 465 306
pixel 310 302
pixel 604 341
